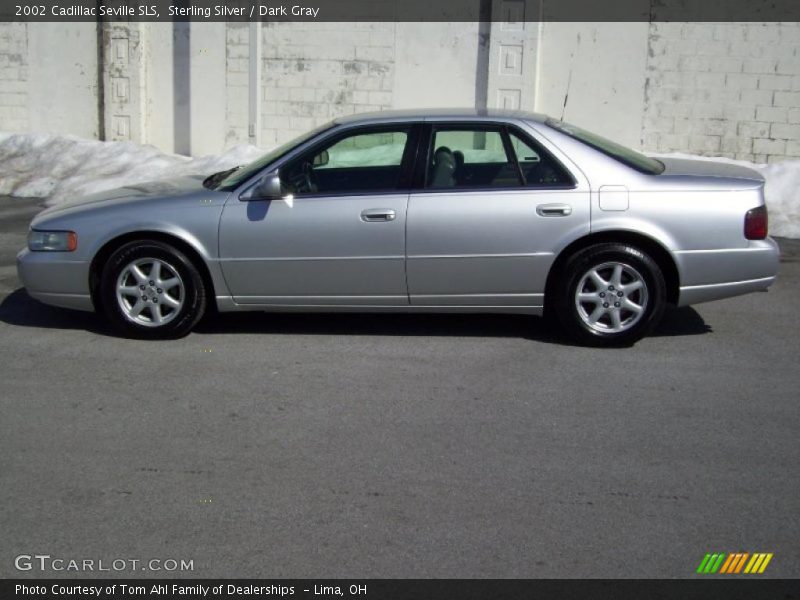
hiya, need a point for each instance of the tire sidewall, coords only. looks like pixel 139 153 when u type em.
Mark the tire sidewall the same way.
pixel 194 301
pixel 596 255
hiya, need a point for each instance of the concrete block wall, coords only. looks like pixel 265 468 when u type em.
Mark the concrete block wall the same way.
pixel 236 83
pixel 313 72
pixel 48 78
pixel 730 89
pixel 724 89
pixel 14 77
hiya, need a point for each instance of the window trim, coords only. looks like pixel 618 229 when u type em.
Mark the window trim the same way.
pixel 509 147
pixel 423 159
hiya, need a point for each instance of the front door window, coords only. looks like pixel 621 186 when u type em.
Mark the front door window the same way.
pixel 358 163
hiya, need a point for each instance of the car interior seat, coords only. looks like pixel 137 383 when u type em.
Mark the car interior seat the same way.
pixel 444 166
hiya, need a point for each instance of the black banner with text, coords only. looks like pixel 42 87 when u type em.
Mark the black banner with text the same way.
pixel 399 10
pixel 404 589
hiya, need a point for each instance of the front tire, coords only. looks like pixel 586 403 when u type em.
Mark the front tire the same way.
pixel 610 295
pixel 151 290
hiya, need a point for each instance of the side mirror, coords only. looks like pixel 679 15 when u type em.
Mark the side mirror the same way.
pixel 268 188
pixel 321 159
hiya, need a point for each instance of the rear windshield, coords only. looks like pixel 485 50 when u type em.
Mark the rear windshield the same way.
pixel 629 157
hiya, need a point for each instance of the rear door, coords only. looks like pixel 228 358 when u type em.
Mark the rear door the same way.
pixel 490 207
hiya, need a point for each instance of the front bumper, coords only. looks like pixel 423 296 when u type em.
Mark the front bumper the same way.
pixel 51 278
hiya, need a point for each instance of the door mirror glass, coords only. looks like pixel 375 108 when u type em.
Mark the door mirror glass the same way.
pixel 321 159
pixel 268 188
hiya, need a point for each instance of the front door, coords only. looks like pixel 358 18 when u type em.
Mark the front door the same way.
pixel 338 238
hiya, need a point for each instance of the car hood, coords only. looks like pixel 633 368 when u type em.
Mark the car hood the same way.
pixel 163 189
pixel 677 167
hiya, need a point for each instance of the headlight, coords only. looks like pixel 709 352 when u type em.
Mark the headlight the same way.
pixel 52 241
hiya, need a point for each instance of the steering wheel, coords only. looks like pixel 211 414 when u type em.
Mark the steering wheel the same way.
pixel 301 180
pixel 308 178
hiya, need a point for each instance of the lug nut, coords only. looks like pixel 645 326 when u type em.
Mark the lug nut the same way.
pixel 605 304
pixel 144 297
pixel 616 304
pixel 152 282
pixel 160 291
pixel 155 300
pixel 611 288
pixel 618 294
pixel 141 287
pixel 602 294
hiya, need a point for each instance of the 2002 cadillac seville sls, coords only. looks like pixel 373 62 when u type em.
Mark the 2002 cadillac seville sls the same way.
pixel 450 211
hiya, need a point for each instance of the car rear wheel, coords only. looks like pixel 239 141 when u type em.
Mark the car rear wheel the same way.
pixel 610 294
pixel 151 290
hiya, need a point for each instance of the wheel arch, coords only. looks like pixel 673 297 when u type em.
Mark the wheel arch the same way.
pixel 110 246
pixel 646 243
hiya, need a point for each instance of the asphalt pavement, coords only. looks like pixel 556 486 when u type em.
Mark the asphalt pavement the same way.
pixel 399 445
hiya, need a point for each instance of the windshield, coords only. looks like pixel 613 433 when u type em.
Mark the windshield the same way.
pixel 633 159
pixel 239 176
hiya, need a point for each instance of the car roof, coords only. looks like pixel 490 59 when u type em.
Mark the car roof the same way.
pixel 472 114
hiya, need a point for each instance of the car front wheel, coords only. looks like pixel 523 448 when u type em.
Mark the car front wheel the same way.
pixel 610 294
pixel 151 290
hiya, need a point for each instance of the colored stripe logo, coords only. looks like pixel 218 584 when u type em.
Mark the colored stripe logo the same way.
pixel 734 563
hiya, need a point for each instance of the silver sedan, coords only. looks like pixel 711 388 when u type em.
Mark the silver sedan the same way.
pixel 448 211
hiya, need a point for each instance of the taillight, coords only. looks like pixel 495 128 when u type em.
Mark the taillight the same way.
pixel 756 223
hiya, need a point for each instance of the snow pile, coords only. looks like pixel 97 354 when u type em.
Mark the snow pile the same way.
pixel 61 168
pixel 782 194
pixel 782 191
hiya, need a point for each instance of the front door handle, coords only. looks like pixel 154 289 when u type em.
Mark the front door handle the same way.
pixel 378 214
pixel 554 210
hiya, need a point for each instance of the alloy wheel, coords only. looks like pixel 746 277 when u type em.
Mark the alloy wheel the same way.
pixel 611 297
pixel 150 292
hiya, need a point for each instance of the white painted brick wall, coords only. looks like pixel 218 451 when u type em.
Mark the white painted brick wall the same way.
pixel 236 83
pixel 724 89
pixel 730 89
pixel 313 72
pixel 14 77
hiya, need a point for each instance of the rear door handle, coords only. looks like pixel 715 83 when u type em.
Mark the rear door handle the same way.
pixel 377 214
pixel 554 210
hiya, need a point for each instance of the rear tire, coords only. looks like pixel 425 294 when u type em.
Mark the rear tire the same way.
pixel 610 295
pixel 151 290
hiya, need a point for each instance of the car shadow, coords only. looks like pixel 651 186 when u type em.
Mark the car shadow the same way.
pixel 683 321
pixel 384 324
pixel 21 310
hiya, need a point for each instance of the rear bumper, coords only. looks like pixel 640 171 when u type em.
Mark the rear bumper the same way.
pixel 716 291
pixel 52 279
pixel 715 274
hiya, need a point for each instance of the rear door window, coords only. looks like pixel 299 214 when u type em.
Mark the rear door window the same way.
pixel 489 157
pixel 465 157
pixel 538 168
